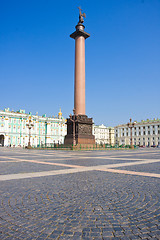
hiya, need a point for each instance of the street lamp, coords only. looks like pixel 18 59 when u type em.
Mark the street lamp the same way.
pixel 74 130
pixel 29 125
pixel 131 125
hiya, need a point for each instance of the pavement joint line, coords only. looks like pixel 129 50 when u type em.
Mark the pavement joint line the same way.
pixel 123 164
pixel 47 163
pixel 145 174
pixel 80 156
pixel 44 155
pixel 81 169
pixel 101 152
pixel 110 158
pixel 9 161
pixel 41 174
pixel 133 159
pixel 72 155
pixel 61 164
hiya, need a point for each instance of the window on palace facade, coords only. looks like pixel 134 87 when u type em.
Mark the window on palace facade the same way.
pixel 158 131
pixel 144 133
pixel 153 132
pixel 148 132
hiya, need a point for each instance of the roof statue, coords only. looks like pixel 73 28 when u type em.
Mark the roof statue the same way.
pixel 60 113
pixel 81 15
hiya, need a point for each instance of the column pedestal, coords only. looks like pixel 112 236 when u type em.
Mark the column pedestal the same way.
pixel 83 130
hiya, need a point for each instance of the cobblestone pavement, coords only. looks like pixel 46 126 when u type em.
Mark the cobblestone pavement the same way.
pixel 79 195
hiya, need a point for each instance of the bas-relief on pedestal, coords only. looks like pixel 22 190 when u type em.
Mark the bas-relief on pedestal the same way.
pixel 79 126
pixel 83 130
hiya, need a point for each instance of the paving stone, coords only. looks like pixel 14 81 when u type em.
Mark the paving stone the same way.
pixel 91 204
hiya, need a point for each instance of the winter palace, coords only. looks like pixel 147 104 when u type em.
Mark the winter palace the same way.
pixel 14 129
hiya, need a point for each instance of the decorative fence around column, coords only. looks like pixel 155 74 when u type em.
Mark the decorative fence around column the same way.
pixel 82 147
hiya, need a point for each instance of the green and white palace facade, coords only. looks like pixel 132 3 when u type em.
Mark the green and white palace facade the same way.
pixel 14 131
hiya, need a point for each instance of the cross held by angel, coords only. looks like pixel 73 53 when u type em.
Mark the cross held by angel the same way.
pixel 81 15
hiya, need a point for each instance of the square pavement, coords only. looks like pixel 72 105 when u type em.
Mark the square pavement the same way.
pixel 79 195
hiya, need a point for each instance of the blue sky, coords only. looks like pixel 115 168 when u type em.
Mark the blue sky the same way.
pixel 122 57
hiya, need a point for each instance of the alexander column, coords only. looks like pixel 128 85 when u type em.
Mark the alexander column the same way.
pixel 79 126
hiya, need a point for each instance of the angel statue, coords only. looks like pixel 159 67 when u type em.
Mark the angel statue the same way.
pixel 81 15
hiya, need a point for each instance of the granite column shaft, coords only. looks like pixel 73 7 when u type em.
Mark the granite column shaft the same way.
pixel 79 84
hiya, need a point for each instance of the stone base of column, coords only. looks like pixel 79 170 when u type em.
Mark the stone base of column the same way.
pixel 83 130
pixel 29 147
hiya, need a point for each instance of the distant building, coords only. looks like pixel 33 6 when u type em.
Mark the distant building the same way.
pixel 111 136
pixel 144 133
pixel 45 130
pixel 103 134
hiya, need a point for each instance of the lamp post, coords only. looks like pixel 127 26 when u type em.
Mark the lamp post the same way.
pixel 131 125
pixel 74 132
pixel 29 125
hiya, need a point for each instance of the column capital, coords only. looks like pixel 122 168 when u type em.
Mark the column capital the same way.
pixel 80 32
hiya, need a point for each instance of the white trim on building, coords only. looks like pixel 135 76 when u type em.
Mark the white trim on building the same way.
pixel 103 134
pixel 45 130
pixel 144 133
